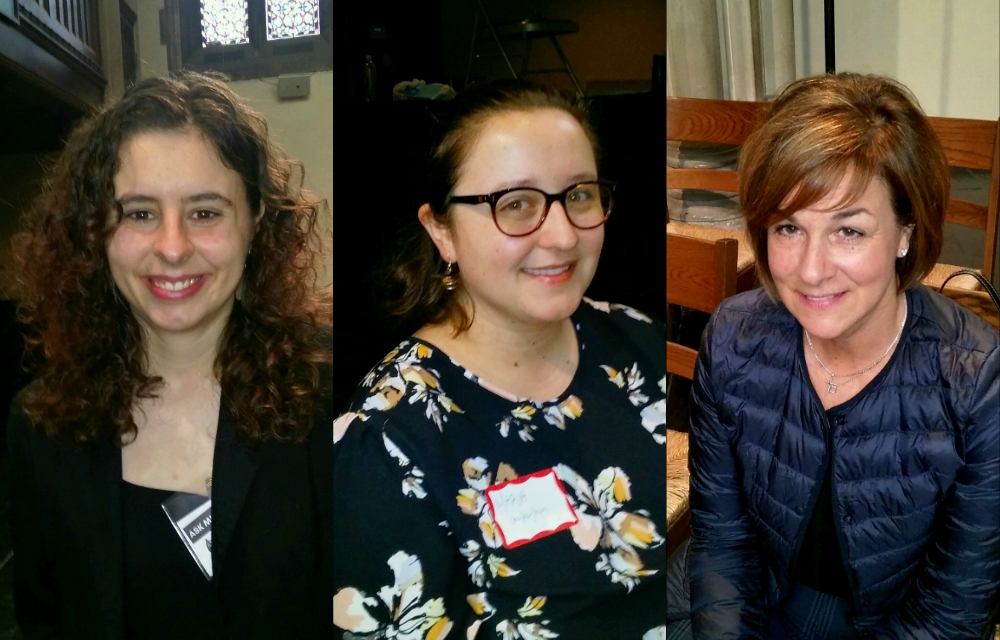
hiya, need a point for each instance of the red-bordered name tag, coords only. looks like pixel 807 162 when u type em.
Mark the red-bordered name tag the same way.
pixel 530 507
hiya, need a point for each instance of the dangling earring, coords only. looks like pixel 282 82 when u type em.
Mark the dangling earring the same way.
pixel 450 278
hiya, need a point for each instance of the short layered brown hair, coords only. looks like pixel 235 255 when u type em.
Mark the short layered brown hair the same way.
pixel 820 130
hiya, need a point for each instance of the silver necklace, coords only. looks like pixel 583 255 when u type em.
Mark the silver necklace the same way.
pixel 830 386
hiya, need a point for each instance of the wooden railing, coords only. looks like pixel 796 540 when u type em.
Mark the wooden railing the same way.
pixel 70 24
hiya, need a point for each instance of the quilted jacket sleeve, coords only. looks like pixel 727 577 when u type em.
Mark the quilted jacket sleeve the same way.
pixel 959 582
pixel 723 557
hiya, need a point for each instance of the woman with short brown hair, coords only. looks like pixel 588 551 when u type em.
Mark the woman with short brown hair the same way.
pixel 845 438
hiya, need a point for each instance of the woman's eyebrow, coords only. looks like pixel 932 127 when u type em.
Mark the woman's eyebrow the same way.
pixel 206 196
pixel 847 213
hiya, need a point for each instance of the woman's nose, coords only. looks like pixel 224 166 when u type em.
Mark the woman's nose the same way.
pixel 816 264
pixel 556 231
pixel 172 242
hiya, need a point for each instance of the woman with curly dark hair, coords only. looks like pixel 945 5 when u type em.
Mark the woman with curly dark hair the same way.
pixel 167 475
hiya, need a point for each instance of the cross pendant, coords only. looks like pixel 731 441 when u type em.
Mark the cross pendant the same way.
pixel 830 387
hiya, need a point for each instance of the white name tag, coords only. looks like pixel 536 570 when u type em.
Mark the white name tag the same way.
pixel 191 516
pixel 529 508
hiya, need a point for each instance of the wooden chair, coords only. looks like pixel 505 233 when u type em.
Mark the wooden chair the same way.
pixel 719 122
pixel 969 144
pixel 715 121
pixel 700 275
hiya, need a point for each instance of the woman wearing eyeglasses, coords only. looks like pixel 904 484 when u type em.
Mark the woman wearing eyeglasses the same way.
pixel 501 473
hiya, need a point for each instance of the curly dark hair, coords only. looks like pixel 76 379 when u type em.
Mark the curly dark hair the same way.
pixel 93 363
pixel 413 290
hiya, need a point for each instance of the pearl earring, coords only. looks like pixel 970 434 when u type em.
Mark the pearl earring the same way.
pixel 902 254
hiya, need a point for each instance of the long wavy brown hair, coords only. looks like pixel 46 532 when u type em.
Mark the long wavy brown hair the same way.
pixel 93 364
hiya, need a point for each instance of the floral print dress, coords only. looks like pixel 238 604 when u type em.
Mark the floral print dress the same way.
pixel 463 512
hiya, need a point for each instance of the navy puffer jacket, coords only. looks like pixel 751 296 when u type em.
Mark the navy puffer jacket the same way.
pixel 916 473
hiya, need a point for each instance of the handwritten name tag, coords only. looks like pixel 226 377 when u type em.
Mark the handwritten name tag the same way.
pixel 529 508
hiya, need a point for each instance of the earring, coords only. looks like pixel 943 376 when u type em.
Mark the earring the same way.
pixel 450 278
pixel 902 254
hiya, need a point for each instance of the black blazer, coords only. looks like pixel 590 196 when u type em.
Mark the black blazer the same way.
pixel 272 547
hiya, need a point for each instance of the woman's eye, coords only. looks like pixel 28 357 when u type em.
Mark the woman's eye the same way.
pixel 851 234
pixel 138 216
pixel 515 205
pixel 785 230
pixel 204 214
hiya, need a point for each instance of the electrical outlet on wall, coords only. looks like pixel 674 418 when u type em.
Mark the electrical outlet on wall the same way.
pixel 293 86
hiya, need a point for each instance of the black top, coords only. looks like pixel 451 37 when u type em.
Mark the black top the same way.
pixel 821 564
pixel 165 593
pixel 424 541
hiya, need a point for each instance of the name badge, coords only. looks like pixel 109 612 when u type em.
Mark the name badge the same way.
pixel 191 516
pixel 530 507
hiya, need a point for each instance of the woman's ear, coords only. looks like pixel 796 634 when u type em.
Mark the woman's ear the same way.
pixel 904 241
pixel 439 232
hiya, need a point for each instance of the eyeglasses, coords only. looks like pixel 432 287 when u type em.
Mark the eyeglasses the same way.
pixel 522 211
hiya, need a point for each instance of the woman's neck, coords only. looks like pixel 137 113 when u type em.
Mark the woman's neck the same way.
pixel 535 362
pixel 183 357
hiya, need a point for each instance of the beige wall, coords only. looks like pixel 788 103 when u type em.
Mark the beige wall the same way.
pixel 304 128
pixel 946 51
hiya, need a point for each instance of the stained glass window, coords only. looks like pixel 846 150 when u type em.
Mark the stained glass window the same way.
pixel 292 18
pixel 223 22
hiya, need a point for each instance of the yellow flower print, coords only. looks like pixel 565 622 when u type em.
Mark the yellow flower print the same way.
pixel 611 527
pixel 448 404
pixel 571 407
pixel 614 375
pixel 524 412
pixel 523 629
pixel 386 393
pixel 614 484
pixel 637 530
pixel 469 501
pixel 479 604
pixel 532 607
pixel 476 473
pixel 624 567
pixel 419 376
pixel 423 351
pixel 398 610
pixel 499 568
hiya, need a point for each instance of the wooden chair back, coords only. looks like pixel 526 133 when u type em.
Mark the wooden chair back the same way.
pixel 700 275
pixel 969 144
pixel 974 144
pixel 716 121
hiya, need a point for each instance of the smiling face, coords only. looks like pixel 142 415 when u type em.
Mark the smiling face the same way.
pixel 538 278
pixel 834 269
pixel 177 257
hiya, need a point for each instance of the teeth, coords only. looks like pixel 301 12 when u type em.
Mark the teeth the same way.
pixel 174 286
pixel 829 297
pixel 546 272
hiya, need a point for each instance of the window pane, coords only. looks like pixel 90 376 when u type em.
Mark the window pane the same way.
pixel 223 22
pixel 292 18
